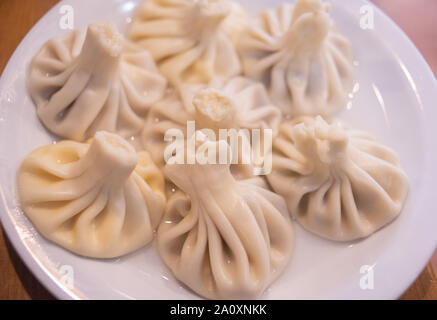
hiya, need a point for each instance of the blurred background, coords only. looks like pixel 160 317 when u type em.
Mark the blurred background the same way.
pixel 418 19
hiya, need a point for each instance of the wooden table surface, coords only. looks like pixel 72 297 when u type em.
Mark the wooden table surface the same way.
pixel 418 18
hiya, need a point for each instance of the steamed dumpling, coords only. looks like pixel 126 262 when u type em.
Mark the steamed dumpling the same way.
pixel 239 103
pixel 191 40
pixel 223 238
pixel 338 183
pixel 99 200
pixel 304 61
pixel 86 82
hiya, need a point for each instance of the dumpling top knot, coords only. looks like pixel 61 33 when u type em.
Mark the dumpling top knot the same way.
pixel 214 108
pixel 338 182
pixel 224 238
pixel 115 151
pixel 234 105
pixel 99 199
pixel 213 10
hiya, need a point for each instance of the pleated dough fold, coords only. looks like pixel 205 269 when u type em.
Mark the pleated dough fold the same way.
pixel 238 103
pixel 304 61
pixel 223 238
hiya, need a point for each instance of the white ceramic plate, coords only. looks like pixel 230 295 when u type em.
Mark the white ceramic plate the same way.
pixel 395 100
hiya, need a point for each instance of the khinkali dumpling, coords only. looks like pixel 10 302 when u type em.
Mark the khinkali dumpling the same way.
pixel 99 200
pixel 191 40
pixel 86 82
pixel 238 103
pixel 301 57
pixel 338 183
pixel 223 238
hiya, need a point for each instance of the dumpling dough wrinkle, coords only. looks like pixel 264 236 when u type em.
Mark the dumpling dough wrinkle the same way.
pixel 339 183
pixel 84 83
pixel 301 57
pixel 225 239
pixel 238 103
pixel 99 200
pixel 192 41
